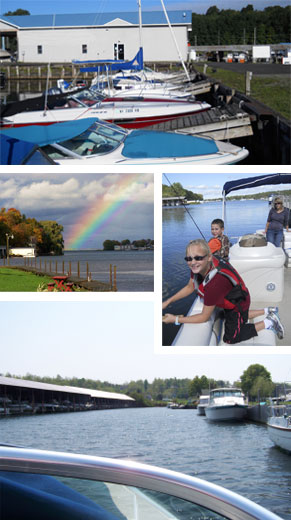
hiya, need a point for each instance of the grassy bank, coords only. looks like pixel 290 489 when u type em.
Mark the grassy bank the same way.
pixel 14 280
pixel 275 91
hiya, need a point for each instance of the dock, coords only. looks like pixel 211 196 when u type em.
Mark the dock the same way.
pixel 27 397
pixel 219 123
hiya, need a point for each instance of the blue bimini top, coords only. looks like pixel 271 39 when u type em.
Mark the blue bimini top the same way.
pixel 150 144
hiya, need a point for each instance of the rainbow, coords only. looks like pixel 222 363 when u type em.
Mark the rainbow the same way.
pixel 101 213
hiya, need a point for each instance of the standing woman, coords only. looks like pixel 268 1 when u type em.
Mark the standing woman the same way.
pixel 278 218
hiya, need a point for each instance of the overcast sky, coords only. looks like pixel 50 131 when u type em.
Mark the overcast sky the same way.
pixel 110 341
pixel 210 185
pixel 101 6
pixel 115 206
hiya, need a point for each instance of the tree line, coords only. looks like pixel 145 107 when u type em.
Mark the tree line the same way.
pixel 255 381
pixel 246 27
pixel 176 190
pixel 45 235
pixel 108 245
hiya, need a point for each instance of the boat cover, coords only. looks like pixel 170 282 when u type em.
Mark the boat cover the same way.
pixel 34 497
pixel 151 144
pixel 253 182
pixel 16 144
pixel 104 65
pixel 52 133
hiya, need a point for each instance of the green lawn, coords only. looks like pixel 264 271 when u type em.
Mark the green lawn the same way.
pixel 275 91
pixel 15 280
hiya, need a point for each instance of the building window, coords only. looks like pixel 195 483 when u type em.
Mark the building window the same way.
pixel 39 49
pixel 84 49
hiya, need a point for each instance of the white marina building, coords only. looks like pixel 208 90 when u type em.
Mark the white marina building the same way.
pixel 94 36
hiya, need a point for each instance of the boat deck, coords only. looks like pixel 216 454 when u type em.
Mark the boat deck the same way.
pixel 220 123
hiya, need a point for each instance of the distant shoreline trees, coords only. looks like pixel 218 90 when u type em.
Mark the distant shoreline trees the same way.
pixel 46 236
pixel 245 27
pixel 110 245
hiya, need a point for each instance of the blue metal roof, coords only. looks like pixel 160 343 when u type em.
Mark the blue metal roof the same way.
pixel 97 19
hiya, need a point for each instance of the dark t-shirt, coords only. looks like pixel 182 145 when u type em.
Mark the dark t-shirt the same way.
pixel 217 289
pixel 278 220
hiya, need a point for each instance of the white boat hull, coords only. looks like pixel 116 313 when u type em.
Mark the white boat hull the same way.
pixel 279 430
pixel 128 115
pixel 226 412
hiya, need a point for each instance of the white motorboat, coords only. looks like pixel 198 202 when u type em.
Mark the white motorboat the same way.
pixel 261 266
pixel 127 114
pixel 46 484
pixel 203 402
pixel 226 404
pixel 279 428
pixel 86 141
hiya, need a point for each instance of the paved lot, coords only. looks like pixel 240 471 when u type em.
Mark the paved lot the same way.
pixel 270 69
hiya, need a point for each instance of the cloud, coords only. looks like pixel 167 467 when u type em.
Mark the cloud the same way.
pixel 70 193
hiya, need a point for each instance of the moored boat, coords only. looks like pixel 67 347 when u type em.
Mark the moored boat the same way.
pixel 203 402
pixel 279 428
pixel 94 142
pixel 129 114
pixel 226 404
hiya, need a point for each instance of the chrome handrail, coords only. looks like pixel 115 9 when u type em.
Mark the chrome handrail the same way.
pixel 130 473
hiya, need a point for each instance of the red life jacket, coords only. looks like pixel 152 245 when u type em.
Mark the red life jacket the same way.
pixel 236 295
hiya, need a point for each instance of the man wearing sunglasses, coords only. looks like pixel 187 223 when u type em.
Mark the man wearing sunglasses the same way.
pixel 219 284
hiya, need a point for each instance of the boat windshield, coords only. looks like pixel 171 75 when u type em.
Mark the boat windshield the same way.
pixel 88 97
pixel 227 393
pixel 97 139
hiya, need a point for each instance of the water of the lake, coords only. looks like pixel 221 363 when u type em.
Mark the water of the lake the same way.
pixel 135 269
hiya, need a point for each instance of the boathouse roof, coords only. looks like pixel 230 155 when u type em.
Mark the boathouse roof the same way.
pixel 36 385
pixel 97 19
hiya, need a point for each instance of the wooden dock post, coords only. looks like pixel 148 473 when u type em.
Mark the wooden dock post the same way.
pixel 87 271
pixel 63 267
pixel 78 269
pixel 249 76
pixel 56 267
pixel 40 264
pixel 114 279
pixel 110 274
pixel 50 266
pixel 45 266
pixel 70 267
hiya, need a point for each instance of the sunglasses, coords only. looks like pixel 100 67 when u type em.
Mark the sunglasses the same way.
pixel 278 203
pixel 197 258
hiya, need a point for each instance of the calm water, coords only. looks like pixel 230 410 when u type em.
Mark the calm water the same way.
pixel 239 457
pixel 135 269
pixel 244 216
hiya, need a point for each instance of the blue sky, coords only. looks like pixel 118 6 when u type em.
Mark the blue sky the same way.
pixel 67 197
pixel 111 341
pixel 210 185
pixel 93 6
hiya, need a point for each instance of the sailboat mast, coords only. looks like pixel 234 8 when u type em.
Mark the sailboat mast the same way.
pixel 140 23
pixel 175 41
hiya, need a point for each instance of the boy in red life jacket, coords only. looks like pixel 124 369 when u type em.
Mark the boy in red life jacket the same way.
pixel 219 284
pixel 220 243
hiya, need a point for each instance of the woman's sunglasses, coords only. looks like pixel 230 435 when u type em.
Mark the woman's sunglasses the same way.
pixel 197 258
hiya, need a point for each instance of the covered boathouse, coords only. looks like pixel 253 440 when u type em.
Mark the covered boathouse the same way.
pixel 97 36
pixel 21 397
